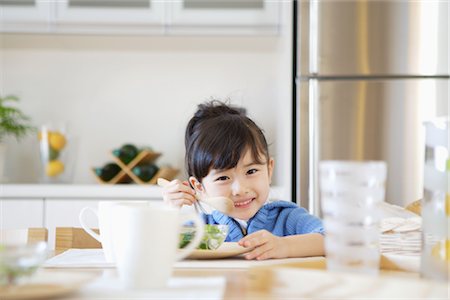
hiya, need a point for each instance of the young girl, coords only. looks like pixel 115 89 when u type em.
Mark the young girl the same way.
pixel 227 155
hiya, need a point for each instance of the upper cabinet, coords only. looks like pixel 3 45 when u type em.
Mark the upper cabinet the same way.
pixel 141 16
pixel 224 16
pixel 25 15
pixel 110 16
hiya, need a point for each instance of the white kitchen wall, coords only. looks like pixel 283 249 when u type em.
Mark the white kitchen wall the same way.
pixel 126 89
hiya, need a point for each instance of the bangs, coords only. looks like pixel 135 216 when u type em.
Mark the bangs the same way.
pixel 222 145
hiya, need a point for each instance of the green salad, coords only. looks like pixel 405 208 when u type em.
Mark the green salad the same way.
pixel 212 239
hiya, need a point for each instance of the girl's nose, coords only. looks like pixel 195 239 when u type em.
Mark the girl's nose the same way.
pixel 238 188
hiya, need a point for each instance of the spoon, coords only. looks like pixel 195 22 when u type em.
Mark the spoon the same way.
pixel 222 204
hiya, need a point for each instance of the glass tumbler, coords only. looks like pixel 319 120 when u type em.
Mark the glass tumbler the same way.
pixel 350 192
pixel 54 144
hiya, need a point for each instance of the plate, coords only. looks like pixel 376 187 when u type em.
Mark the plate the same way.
pixel 408 263
pixel 227 249
pixel 46 284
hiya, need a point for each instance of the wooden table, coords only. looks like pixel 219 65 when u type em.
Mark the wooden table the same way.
pixel 260 282
pixel 237 286
pixel 285 279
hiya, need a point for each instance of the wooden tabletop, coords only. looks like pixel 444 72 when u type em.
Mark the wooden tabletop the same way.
pixel 260 282
pixel 296 278
pixel 237 286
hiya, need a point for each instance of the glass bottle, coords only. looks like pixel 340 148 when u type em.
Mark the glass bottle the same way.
pixel 435 262
pixel 108 171
pixel 126 153
pixel 145 172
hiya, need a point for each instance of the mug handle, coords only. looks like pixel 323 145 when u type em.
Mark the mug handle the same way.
pixel 199 232
pixel 83 224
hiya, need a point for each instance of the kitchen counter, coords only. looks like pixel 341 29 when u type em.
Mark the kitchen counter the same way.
pixel 90 191
pixel 78 191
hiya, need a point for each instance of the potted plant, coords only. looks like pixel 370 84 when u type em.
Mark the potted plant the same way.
pixel 12 123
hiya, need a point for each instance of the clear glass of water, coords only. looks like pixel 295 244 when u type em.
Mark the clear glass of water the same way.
pixel 350 193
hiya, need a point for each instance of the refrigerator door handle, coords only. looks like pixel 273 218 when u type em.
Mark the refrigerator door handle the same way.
pixel 314 146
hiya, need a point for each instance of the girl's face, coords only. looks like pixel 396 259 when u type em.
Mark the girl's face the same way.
pixel 247 185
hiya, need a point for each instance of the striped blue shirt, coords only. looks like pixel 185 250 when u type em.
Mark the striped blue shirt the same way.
pixel 281 218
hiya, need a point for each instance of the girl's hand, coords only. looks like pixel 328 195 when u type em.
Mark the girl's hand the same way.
pixel 178 193
pixel 266 245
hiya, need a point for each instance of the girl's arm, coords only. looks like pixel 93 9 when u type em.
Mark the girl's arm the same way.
pixel 301 245
pixel 268 245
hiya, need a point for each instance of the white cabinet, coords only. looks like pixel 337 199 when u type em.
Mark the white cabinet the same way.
pixel 109 16
pixel 25 15
pixel 21 213
pixel 141 16
pixel 204 16
pixel 58 205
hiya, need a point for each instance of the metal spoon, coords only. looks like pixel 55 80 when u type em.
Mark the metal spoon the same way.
pixel 222 204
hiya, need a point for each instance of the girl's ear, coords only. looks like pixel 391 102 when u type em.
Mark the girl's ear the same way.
pixel 270 166
pixel 198 187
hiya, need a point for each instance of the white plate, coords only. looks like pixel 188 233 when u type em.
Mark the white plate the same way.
pixel 227 249
pixel 46 284
pixel 408 263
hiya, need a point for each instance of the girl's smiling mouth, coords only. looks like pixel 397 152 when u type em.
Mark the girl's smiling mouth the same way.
pixel 244 203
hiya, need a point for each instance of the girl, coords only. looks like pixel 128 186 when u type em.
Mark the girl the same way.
pixel 227 155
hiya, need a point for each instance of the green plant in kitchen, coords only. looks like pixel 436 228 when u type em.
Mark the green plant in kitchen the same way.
pixel 12 121
pixel 126 153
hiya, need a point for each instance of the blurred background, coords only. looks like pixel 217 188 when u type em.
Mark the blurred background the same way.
pixel 324 79
pixel 134 71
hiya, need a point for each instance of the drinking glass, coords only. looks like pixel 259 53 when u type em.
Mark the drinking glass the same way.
pixel 56 159
pixel 435 262
pixel 350 193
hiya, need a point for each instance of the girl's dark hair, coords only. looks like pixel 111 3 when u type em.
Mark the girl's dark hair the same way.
pixel 217 136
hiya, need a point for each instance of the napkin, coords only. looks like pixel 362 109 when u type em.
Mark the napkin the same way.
pixel 397 224
pixel 401 236
pixel 79 258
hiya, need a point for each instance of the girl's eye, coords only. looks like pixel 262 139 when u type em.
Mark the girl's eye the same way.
pixel 221 178
pixel 252 171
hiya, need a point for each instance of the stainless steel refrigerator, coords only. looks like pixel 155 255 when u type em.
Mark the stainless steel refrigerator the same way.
pixel 368 73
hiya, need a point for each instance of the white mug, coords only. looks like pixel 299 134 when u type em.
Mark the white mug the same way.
pixel 146 242
pixel 103 214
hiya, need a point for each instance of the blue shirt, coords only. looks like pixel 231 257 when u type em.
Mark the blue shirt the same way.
pixel 281 218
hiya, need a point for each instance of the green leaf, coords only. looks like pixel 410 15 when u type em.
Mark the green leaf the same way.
pixel 12 121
